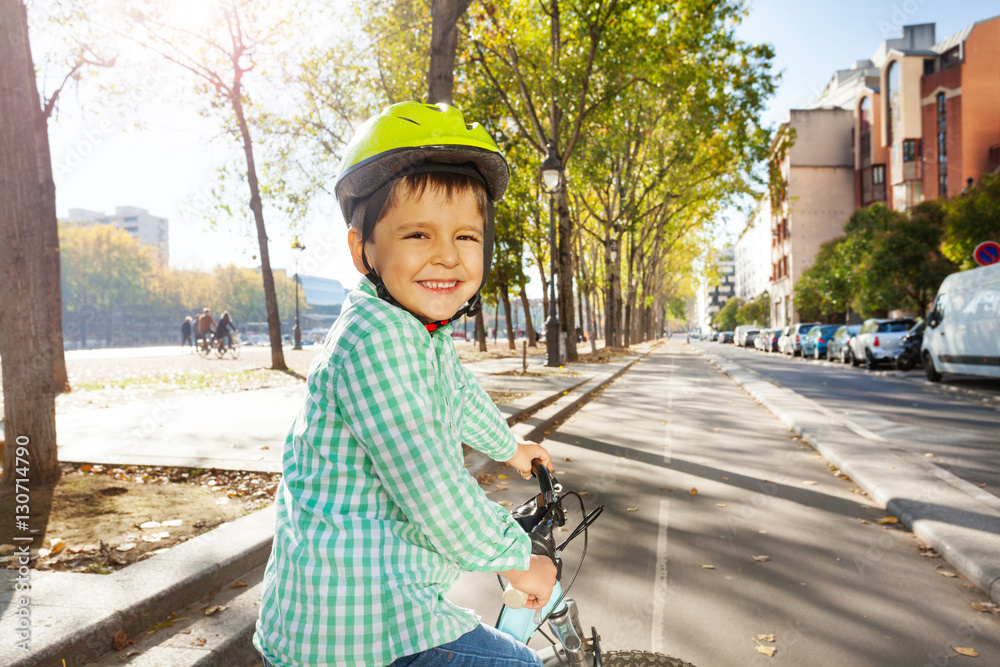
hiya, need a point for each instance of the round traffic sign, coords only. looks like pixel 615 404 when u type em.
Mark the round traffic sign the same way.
pixel 987 252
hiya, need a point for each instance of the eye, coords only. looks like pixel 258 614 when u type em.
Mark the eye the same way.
pixel 416 235
pixel 470 237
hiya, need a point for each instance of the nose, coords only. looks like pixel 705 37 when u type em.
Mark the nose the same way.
pixel 445 252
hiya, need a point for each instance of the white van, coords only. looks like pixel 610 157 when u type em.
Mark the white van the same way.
pixel 963 330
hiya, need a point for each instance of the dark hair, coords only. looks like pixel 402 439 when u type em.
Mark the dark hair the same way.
pixel 414 186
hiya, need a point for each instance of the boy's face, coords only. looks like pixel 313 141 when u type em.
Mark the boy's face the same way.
pixel 428 251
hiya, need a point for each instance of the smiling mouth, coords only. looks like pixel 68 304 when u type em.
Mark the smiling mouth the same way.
pixel 439 285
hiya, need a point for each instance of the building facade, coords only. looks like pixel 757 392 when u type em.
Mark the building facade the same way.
pixel 149 229
pixel 813 200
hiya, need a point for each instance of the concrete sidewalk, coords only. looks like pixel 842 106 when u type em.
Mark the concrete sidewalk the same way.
pixel 74 617
pixel 959 520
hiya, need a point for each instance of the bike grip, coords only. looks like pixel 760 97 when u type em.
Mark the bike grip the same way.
pixel 514 598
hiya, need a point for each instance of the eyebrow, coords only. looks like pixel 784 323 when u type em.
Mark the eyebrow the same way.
pixel 409 227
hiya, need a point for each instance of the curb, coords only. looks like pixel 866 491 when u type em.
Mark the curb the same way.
pixel 950 515
pixel 80 613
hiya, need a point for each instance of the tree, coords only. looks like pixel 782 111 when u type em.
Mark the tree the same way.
pixel 444 40
pixel 25 326
pixel 725 319
pixel 971 218
pixel 220 58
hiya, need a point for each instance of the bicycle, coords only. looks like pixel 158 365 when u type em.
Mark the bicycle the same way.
pixel 230 344
pixel 205 344
pixel 538 517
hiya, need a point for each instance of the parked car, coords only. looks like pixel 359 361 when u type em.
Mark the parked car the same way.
pixel 963 330
pixel 783 338
pixel 815 343
pixel 771 344
pixel 878 341
pixel 726 336
pixel 838 347
pixel 793 342
pixel 749 337
pixel 761 339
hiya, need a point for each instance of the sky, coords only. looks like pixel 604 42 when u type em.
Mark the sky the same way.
pixel 169 165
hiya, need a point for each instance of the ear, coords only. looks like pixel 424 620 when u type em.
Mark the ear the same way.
pixel 357 250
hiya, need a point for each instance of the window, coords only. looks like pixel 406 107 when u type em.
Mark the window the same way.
pixel 942 146
pixel 951 58
pixel 865 130
pixel 893 102
pixel 878 174
pixel 911 150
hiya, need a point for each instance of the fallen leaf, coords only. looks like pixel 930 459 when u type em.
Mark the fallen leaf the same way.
pixel 717 430
pixel 666 489
pixel 150 524
pixel 930 456
pixel 721 505
pixel 200 641
pixel 566 458
pixel 707 567
pixel 986 608
pixel 863 521
pixel 766 638
pixel 762 559
pixel 239 584
pixel 503 476
pixel 887 520
pixel 121 641
pixel 769 651
pixel 505 503
pixel 57 544
pixel 971 652
pixel 726 478
pixel 810 483
pixel 631 509
pixel 946 573
pixel 693 491
pixel 584 493
pixel 665 423
pixel 486 478
pixel 502 487
pixel 128 546
pixel 214 609
pixel 172 522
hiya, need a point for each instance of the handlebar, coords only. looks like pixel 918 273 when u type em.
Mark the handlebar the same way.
pixel 538 517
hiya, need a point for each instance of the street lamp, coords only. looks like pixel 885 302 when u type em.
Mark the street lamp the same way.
pixel 297 248
pixel 551 176
pixel 613 254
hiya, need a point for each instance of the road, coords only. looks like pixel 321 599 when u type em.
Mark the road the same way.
pixel 698 479
pixel 903 411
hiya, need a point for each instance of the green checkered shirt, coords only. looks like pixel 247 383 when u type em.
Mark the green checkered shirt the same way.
pixel 376 514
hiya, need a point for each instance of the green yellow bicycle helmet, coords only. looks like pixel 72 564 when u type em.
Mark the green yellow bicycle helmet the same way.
pixel 411 138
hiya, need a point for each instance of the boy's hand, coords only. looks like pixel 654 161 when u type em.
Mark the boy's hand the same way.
pixel 537 581
pixel 526 453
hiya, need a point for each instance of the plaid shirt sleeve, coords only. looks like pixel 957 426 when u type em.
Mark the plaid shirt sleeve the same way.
pixel 400 407
pixel 484 427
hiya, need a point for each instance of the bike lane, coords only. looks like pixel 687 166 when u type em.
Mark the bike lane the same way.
pixel 700 484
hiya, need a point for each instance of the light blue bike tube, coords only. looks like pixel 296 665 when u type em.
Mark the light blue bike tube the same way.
pixel 520 623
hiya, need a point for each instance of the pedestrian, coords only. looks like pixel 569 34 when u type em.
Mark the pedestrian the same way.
pixel 186 332
pixel 376 514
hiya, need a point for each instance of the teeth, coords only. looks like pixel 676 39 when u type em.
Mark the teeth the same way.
pixel 439 285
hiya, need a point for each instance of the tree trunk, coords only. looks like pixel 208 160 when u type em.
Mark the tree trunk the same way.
pixel 444 39
pixel 590 318
pixel 25 336
pixel 529 327
pixel 481 331
pixel 50 238
pixel 505 297
pixel 566 310
pixel 270 296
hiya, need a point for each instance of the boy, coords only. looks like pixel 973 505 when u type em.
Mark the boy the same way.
pixel 376 515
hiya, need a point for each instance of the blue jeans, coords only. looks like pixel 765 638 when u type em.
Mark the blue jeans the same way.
pixel 482 647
